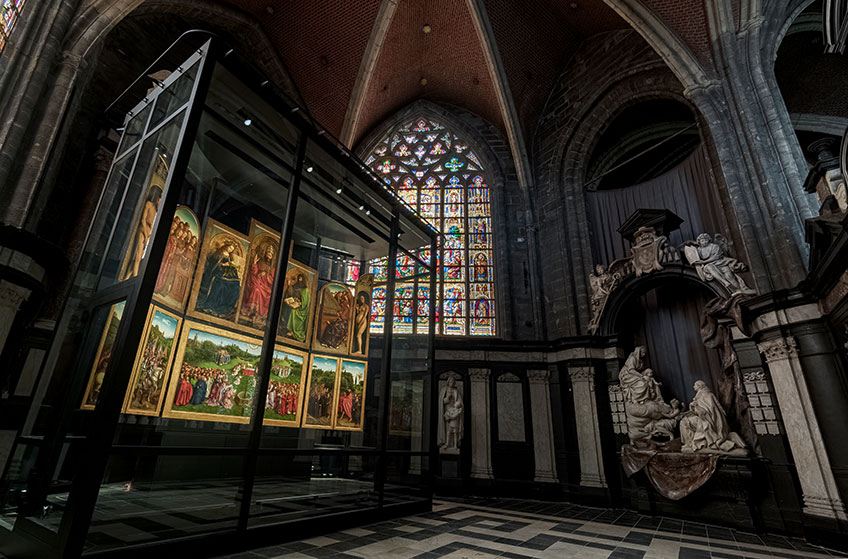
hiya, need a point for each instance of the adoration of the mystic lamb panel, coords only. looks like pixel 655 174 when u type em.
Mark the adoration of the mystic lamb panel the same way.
pixel 220 275
pixel 321 391
pixel 174 281
pixel 214 375
pixel 152 363
pixel 333 319
pixel 285 387
pixel 351 399
pixel 102 356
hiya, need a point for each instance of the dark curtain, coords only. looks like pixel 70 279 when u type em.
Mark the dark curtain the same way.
pixel 686 190
pixel 667 322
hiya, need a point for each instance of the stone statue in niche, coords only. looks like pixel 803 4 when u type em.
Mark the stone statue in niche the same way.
pixel 711 261
pixel 703 428
pixel 648 415
pixel 451 413
pixel 602 283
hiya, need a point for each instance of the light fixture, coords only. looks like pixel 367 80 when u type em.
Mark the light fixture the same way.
pixel 426 28
pixel 362 207
pixel 423 81
pixel 309 169
pixel 339 190
pixel 247 122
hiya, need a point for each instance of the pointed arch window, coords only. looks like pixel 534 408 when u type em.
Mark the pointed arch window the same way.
pixel 437 174
pixel 10 12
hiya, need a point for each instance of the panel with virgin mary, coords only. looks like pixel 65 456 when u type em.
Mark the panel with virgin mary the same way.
pixel 174 281
pixel 332 321
pixel 259 276
pixel 217 284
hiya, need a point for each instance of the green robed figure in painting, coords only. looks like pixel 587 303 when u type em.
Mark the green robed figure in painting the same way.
pixel 297 298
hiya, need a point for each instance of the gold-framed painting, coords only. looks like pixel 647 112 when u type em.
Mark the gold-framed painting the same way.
pixel 217 288
pixel 321 390
pixel 152 362
pixel 259 271
pixel 102 356
pixel 214 375
pixel 333 319
pixel 173 284
pixel 143 218
pixel 283 404
pixel 360 320
pixel 350 411
pixel 298 304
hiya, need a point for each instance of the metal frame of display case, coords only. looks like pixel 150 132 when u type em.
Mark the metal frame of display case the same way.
pixel 98 442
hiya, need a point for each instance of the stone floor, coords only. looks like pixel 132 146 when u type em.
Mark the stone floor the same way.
pixel 485 528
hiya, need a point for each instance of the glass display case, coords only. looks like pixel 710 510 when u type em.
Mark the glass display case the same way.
pixel 215 374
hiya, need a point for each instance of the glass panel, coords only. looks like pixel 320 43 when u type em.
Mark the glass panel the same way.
pixel 141 203
pixel 176 92
pixel 135 128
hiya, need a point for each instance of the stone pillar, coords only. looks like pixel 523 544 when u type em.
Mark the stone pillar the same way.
pixel 588 432
pixel 543 429
pixel 11 297
pixel 821 497
pixel 481 431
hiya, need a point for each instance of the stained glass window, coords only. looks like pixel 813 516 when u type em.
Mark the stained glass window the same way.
pixel 10 11
pixel 437 174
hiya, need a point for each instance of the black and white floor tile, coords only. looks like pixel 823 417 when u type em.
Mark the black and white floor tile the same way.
pixel 516 529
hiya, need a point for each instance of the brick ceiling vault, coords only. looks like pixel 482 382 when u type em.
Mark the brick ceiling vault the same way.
pixel 366 70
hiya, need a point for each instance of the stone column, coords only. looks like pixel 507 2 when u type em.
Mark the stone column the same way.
pixel 821 497
pixel 481 431
pixel 588 432
pixel 11 298
pixel 543 429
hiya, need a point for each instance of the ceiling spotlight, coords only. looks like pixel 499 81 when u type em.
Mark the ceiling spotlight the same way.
pixel 362 207
pixel 309 169
pixel 339 190
pixel 247 122
pixel 426 28
pixel 423 81
pixel 368 212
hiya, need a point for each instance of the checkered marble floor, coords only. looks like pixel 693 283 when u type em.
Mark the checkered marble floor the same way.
pixel 516 529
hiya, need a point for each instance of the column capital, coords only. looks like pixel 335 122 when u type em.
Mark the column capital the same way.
pixel 479 374
pixel 581 374
pixel 540 376
pixel 778 349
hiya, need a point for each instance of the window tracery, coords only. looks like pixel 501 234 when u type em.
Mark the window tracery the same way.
pixel 434 172
pixel 10 12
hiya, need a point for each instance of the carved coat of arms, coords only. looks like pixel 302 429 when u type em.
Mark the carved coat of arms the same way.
pixel 647 249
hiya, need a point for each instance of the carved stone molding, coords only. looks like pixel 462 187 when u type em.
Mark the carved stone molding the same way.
pixel 479 375
pixel 781 348
pixel 541 376
pixel 581 374
pixel 753 376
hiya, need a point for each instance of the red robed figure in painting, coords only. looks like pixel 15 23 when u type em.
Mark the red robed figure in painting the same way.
pixel 346 405
pixel 257 290
pixel 184 392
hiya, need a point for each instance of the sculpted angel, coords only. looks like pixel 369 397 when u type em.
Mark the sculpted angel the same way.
pixel 711 261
